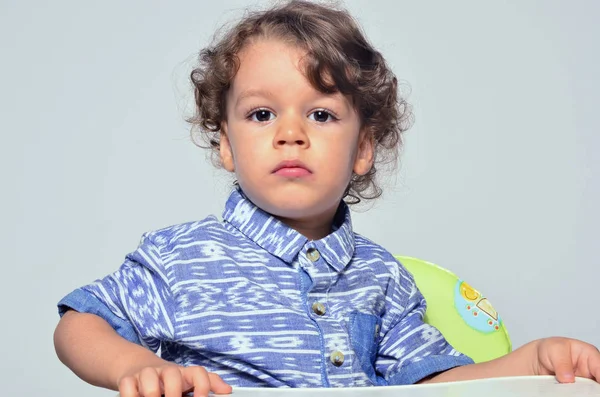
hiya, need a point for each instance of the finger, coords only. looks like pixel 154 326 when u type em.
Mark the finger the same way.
pixel 128 387
pixel 172 381
pixel 585 364
pixel 562 362
pixel 594 365
pixel 149 383
pixel 218 385
pixel 198 377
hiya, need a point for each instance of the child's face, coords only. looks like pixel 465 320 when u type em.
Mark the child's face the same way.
pixel 275 116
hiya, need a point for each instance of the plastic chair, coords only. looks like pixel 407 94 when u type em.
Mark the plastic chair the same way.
pixel 461 313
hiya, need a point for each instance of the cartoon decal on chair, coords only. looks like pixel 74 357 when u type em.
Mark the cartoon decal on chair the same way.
pixel 476 310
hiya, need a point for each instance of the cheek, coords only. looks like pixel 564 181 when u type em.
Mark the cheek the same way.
pixel 337 159
pixel 248 152
pixel 343 150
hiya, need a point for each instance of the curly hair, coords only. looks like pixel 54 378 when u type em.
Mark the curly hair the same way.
pixel 338 59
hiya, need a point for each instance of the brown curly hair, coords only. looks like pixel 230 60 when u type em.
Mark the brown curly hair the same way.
pixel 339 59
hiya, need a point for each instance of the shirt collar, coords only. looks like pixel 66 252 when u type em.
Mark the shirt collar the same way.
pixel 280 240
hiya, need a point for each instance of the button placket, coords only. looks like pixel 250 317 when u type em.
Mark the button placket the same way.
pixel 320 310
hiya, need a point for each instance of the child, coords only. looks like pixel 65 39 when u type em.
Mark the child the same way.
pixel 282 292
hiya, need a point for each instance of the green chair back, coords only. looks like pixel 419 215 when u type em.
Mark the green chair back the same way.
pixel 461 313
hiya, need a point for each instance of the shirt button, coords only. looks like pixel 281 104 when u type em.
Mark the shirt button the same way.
pixel 337 358
pixel 313 254
pixel 318 308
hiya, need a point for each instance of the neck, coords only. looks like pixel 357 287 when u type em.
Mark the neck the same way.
pixel 313 228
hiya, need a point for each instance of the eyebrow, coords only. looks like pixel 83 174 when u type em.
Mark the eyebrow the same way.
pixel 252 92
pixel 258 92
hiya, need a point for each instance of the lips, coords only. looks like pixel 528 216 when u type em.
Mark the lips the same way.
pixel 292 168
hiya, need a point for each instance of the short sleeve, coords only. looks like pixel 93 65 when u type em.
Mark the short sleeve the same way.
pixel 135 300
pixel 410 349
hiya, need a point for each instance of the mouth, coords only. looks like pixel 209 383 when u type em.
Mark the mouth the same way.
pixel 292 169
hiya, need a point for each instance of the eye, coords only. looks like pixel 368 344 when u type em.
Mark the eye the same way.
pixel 322 116
pixel 261 115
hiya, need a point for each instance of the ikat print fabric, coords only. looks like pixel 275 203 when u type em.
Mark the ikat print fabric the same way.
pixel 258 303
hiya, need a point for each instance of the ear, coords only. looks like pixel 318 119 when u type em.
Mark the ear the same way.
pixel 364 153
pixel 225 151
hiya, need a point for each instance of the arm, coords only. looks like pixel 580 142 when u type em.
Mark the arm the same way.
pixel 92 349
pixel 410 349
pixel 110 330
pixel 565 358
pixel 512 364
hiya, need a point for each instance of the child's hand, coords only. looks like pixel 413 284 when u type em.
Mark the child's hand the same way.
pixel 567 358
pixel 172 381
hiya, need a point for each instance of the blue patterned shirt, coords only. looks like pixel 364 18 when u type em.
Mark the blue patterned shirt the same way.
pixel 258 303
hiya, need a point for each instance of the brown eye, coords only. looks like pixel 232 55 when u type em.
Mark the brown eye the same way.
pixel 261 115
pixel 322 116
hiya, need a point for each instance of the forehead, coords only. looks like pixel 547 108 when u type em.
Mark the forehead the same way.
pixel 269 61
pixel 274 66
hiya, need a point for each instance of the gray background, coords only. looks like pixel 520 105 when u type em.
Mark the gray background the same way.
pixel 498 179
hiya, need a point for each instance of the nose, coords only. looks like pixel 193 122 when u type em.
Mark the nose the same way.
pixel 291 131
